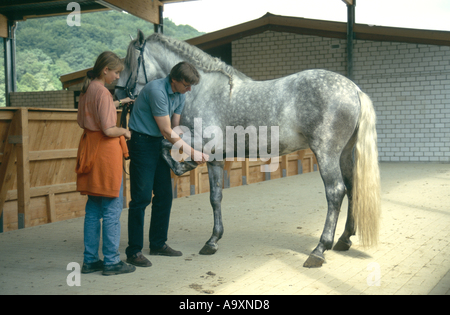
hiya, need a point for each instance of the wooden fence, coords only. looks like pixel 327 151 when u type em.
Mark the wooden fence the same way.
pixel 37 171
pixel 244 172
pixel 37 177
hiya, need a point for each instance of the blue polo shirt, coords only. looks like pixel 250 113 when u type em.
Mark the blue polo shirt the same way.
pixel 155 99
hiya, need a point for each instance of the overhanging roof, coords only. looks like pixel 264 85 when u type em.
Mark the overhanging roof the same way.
pixel 18 10
pixel 271 22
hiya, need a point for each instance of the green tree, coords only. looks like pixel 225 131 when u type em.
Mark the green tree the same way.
pixel 34 71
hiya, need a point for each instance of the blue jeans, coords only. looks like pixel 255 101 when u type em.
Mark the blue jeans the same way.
pixel 109 210
pixel 149 175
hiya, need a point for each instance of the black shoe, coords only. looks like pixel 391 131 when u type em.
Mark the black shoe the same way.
pixel 139 260
pixel 92 267
pixel 117 269
pixel 165 251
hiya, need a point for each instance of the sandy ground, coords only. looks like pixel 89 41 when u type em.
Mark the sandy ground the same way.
pixel 270 229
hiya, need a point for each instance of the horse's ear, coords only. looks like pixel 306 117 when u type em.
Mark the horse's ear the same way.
pixel 140 37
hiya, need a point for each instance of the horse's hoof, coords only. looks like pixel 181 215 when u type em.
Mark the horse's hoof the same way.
pixel 342 246
pixel 209 249
pixel 178 171
pixel 313 261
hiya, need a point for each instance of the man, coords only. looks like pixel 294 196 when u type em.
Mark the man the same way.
pixel 155 113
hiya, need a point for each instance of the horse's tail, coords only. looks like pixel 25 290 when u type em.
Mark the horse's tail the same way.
pixel 366 176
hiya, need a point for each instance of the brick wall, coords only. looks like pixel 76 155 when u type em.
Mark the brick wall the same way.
pixel 409 85
pixel 273 55
pixel 47 99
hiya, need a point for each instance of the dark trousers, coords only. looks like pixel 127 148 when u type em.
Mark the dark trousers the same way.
pixel 149 174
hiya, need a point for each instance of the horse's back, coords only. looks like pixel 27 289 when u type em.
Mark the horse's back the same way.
pixel 310 107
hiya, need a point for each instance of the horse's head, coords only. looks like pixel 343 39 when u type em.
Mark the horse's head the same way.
pixel 138 69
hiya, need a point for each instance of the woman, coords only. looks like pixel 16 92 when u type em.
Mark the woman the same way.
pixel 99 166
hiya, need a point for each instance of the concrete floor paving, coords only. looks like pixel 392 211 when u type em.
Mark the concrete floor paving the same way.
pixel 270 229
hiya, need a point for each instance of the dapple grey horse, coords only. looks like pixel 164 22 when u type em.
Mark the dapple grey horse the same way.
pixel 314 109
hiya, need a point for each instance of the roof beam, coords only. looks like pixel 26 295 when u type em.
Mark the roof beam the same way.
pixel 24 2
pixel 28 12
pixel 3 26
pixel 145 9
pixel 319 28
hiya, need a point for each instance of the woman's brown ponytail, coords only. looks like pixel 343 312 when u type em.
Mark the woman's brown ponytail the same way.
pixel 105 59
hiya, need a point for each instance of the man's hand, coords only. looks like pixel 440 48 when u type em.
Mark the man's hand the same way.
pixel 165 126
pixel 199 157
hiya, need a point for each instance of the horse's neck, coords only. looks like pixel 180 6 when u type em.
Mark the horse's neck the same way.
pixel 162 59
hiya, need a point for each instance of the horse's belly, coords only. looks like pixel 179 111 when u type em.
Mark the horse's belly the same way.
pixel 292 143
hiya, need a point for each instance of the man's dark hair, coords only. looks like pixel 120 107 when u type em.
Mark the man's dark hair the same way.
pixel 185 71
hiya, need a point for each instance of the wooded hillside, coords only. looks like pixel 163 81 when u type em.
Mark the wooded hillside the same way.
pixel 49 47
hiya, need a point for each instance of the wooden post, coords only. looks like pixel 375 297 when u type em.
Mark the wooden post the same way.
pixel 284 166
pixel 227 173
pixel 51 207
pixel 301 155
pixel 194 180
pixel 245 172
pixel 159 28
pixel 266 169
pixel 199 183
pixel 7 175
pixel 174 184
pixel 23 169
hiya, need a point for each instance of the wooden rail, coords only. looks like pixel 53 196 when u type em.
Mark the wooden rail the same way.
pixel 246 172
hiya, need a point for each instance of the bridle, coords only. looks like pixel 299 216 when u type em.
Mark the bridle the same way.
pixel 127 108
pixel 130 89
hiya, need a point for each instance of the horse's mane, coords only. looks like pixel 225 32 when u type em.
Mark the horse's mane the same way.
pixel 200 59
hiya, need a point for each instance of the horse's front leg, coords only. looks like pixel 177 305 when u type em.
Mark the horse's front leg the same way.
pixel 215 173
pixel 179 168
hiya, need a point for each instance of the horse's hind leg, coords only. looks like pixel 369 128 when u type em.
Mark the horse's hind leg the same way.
pixel 335 191
pixel 215 173
pixel 344 242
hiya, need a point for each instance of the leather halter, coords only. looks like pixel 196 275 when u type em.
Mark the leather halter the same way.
pixel 129 89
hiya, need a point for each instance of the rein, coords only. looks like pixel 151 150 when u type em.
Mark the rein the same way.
pixel 127 108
